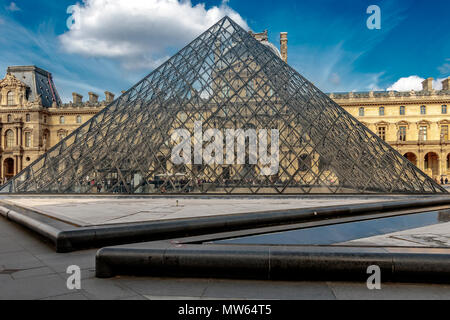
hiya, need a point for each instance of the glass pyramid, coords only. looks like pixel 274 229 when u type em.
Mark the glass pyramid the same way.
pixel 225 115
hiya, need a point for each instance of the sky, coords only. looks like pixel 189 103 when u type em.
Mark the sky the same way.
pixel 98 45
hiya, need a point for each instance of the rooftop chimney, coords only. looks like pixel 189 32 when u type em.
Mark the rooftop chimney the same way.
pixel 427 84
pixel 77 98
pixel 283 46
pixel 261 36
pixel 109 96
pixel 446 84
pixel 93 98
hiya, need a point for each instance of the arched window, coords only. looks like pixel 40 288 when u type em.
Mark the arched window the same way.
pixel 9 139
pixel 62 135
pixel 402 110
pixel 423 110
pixel 361 112
pixel 10 98
pixel 381 111
pixel 27 117
pixel 62 120
pixel 9 118
pixel 78 119
pixel 444 109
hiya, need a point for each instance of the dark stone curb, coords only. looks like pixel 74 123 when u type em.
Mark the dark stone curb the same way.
pixel 325 263
pixel 67 237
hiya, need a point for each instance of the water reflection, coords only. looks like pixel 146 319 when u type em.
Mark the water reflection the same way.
pixel 337 233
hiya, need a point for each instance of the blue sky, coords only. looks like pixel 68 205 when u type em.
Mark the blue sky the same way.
pixel 329 42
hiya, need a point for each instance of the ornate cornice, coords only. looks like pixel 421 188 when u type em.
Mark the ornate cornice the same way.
pixel 11 81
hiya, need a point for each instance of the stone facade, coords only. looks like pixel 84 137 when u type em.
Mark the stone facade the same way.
pixel 33 119
pixel 416 124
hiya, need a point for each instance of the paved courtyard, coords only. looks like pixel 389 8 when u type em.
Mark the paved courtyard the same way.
pixel 87 211
pixel 30 269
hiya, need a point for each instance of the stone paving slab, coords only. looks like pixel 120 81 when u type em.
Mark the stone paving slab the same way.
pixel 437 235
pixel 105 211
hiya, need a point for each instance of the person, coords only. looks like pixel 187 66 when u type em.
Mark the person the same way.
pixel 446 180
pixel 442 180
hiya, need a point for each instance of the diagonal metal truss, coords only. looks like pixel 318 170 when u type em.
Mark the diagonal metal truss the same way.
pixel 227 80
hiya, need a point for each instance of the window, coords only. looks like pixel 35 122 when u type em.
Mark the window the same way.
pixel 9 118
pixel 423 133
pixel 62 120
pixel 10 98
pixel 28 139
pixel 27 117
pixel 402 110
pixel 381 111
pixel 444 109
pixel 444 132
pixel 402 133
pixel 361 112
pixel 382 133
pixel 78 119
pixel 61 135
pixel 45 119
pixel 0 98
pixel 45 138
pixel 423 110
pixel 9 139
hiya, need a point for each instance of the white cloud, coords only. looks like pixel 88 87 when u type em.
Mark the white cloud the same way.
pixel 139 32
pixel 445 68
pixel 413 83
pixel 13 7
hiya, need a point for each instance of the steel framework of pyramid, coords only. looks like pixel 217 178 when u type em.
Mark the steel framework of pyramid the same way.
pixel 223 80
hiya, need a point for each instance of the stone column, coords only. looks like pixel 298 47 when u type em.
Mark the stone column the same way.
pixel 442 164
pixel 2 174
pixel 421 161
